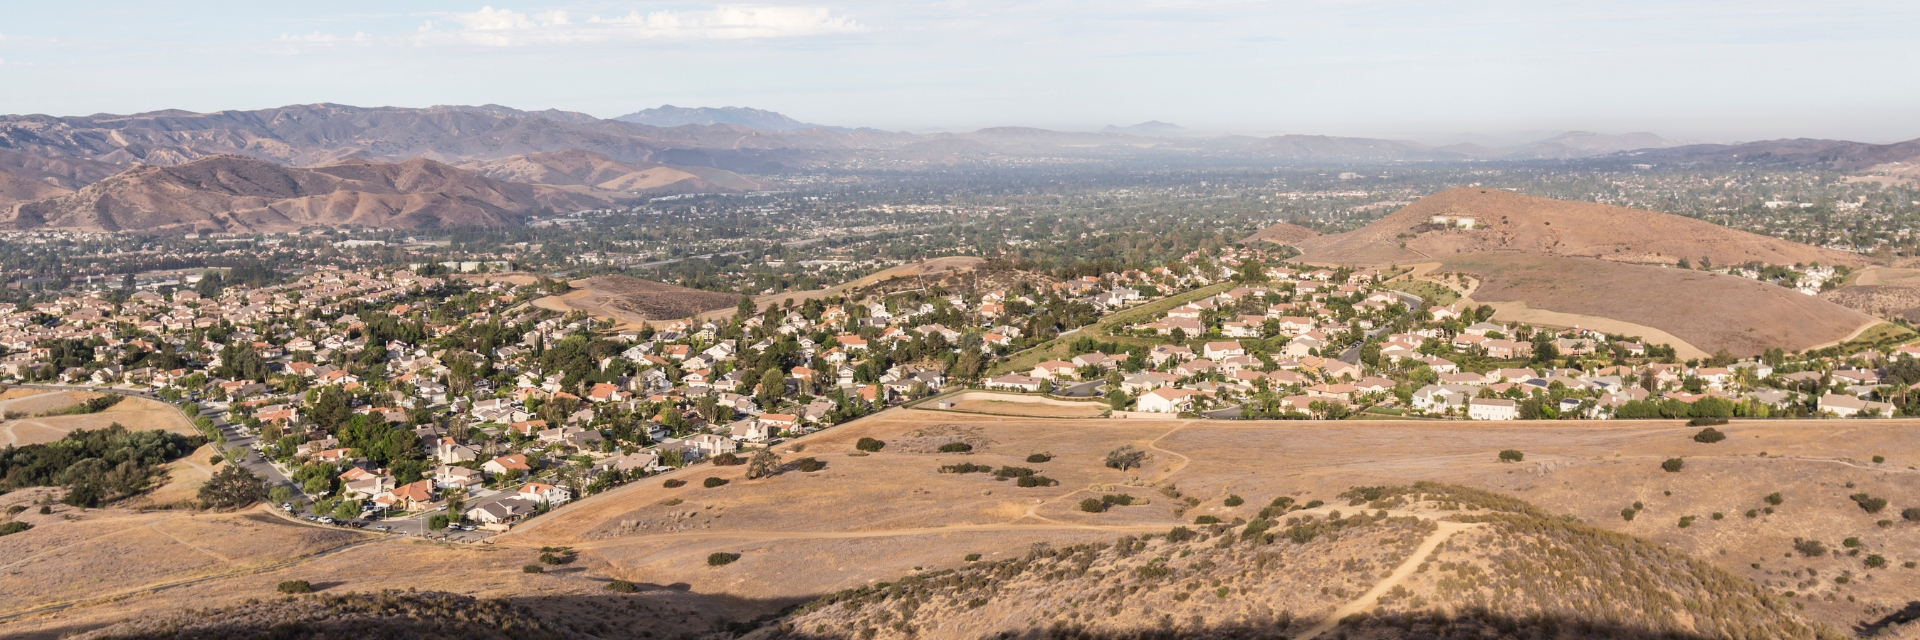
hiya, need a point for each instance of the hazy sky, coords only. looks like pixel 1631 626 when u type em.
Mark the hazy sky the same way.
pixel 1719 71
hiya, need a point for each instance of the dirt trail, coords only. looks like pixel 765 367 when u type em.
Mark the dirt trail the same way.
pixel 1371 598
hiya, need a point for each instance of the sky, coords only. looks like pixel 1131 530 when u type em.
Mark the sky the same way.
pixel 1486 71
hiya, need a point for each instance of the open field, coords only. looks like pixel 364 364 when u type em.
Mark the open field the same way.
pixel 136 414
pixel 931 271
pixel 1518 312
pixel 875 517
pixel 1709 311
pixel 1031 409
pixel 1506 221
pixel 515 278
pixel 631 302
pixel 184 477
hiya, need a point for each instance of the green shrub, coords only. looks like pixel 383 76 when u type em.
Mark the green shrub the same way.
pixel 973 557
pixel 976 603
pixel 1673 465
pixel 1036 481
pixel 1013 472
pixel 13 527
pixel 1093 505
pixel 1627 514
pixel 1314 504
pixel 1753 513
pixel 1512 455
pixel 437 522
pixel 295 586
pixel 1637 506
pixel 1842 580
pixel 869 445
pixel 727 460
pixel 1123 500
pixel 1775 498
pixel 1879 459
pixel 1719 516
pixel 1911 514
pixel 548 558
pixel 1809 548
pixel 46 509
pixel 1876 561
pixel 622 586
pixel 1686 521
pixel 1180 534
pixel 721 559
pixel 1850 543
pixel 1281 502
pixel 215 459
pixel 674 483
pixel 1126 457
pixel 966 467
pixel 955 447
pixel 808 465
pixel 1039 458
pixel 1256 528
pixel 1206 520
pixel 1709 435
pixel 1234 501
pixel 16 510
pixel 1869 503
pixel 533 568
pixel 712 482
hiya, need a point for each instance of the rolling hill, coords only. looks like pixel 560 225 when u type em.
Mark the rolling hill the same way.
pixel 1282 233
pixel 1506 221
pixel 1565 263
pixel 598 174
pixel 232 193
pixel 25 177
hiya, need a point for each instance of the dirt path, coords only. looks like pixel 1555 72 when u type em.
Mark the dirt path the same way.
pixel 1371 598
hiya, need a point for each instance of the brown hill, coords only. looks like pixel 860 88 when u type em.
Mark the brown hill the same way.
pixel 631 301
pixel 1506 221
pixel 25 177
pixel 600 173
pixel 1708 310
pixel 1282 233
pixel 231 193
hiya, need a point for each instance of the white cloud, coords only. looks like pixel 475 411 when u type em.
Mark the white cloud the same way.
pixel 291 44
pixel 506 27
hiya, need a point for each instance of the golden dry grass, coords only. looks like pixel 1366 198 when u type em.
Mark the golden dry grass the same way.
pixel 136 414
pixel 867 518
pixel 1031 409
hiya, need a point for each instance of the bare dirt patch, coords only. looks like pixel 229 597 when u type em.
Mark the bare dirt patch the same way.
pixel 633 302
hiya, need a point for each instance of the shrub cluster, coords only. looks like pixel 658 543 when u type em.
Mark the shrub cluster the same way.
pixel 1097 505
pixel 295 586
pixel 1233 500
pixel 713 482
pixel 1036 481
pixel 869 445
pixel 966 467
pixel 1039 458
pixel 727 460
pixel 674 483
pixel 1709 435
pixel 622 586
pixel 1512 455
pixel 721 559
pixel 809 465
pixel 956 447
pixel 1869 503
pixel 1673 465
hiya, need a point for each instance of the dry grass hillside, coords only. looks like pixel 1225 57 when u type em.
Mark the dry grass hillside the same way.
pixel 597 174
pixel 1506 221
pixel 1707 310
pixel 1420 561
pixel 25 177
pixel 1742 567
pixel 1282 233
pixel 631 301
pixel 232 193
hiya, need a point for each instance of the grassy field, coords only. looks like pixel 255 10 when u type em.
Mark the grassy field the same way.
pixel 876 517
pixel 1432 292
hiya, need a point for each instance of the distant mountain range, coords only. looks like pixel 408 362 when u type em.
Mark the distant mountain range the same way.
pixel 665 149
pixel 671 116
